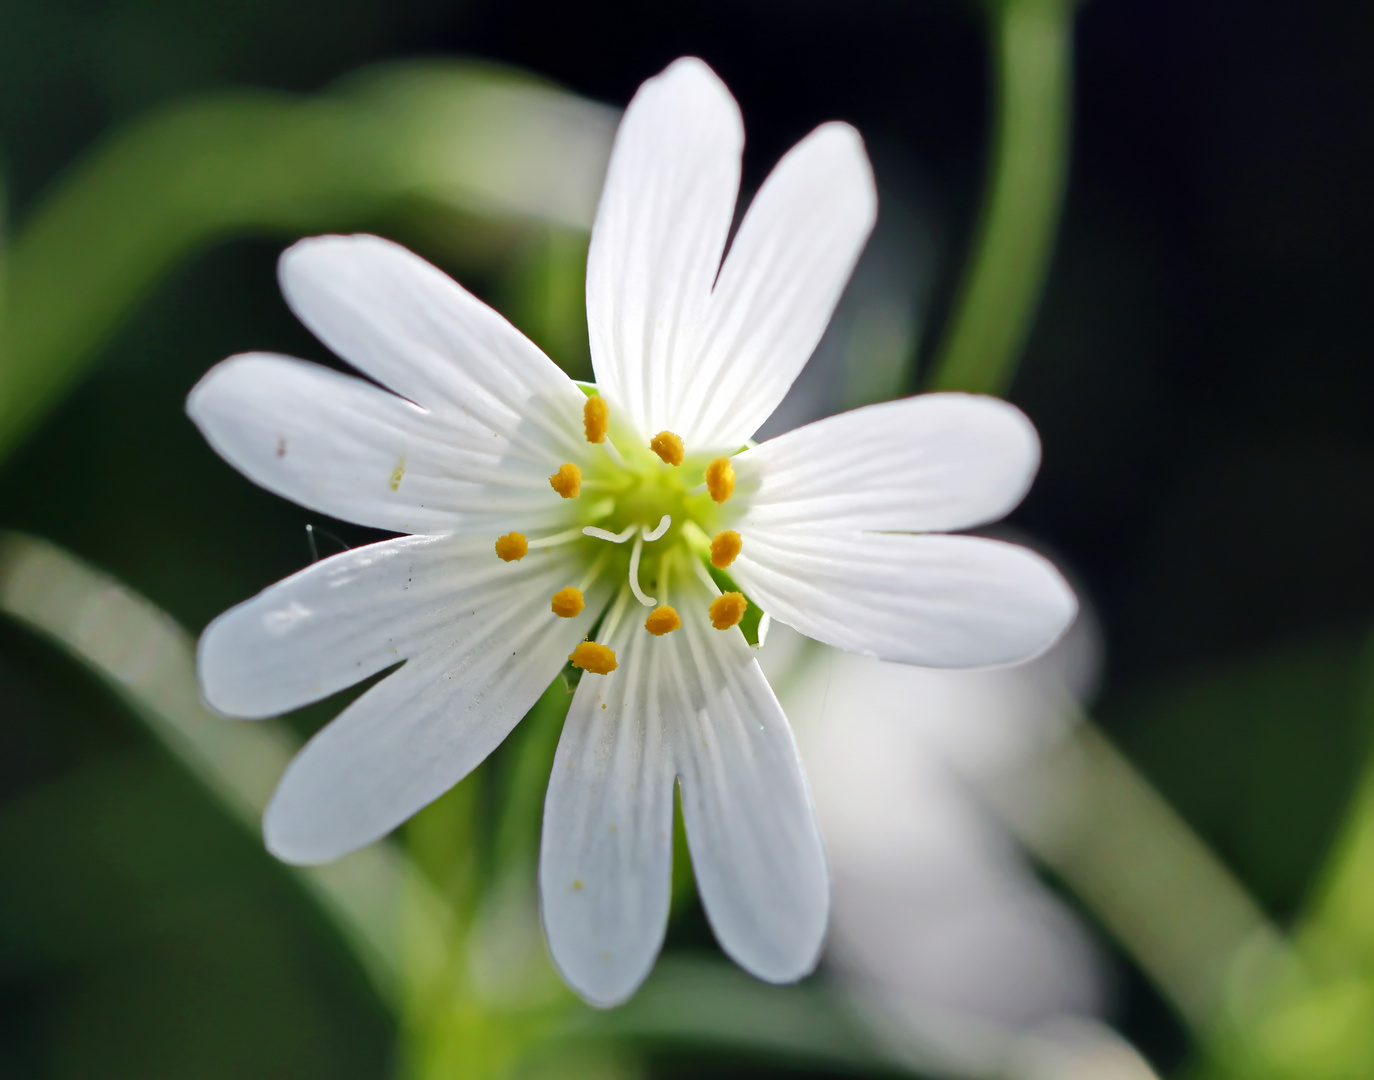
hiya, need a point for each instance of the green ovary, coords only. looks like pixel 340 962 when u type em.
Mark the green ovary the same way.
pixel 626 491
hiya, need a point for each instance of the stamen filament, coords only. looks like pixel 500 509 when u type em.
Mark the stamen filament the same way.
pixel 659 529
pixel 613 453
pixel 606 534
pixel 594 571
pixel 700 489
pixel 705 576
pixel 555 539
pixel 640 595
pixel 608 628
pixel 664 565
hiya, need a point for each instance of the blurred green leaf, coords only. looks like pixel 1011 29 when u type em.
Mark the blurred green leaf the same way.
pixel 165 942
pixel 712 1006
pixel 1260 754
pixel 149 661
pixel 466 138
pixel 1085 811
pixel 1313 1019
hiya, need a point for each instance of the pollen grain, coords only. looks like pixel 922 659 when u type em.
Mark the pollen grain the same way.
pixel 662 620
pixel 596 419
pixel 725 548
pixel 720 479
pixel 567 481
pixel 668 447
pixel 593 657
pixel 727 610
pixel 512 547
pixel 568 603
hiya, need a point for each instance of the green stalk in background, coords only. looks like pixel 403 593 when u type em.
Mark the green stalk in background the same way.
pixel 1031 62
pixel 1313 1018
pixel 1111 837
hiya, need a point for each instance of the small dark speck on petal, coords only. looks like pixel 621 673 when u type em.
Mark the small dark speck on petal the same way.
pixel 281 448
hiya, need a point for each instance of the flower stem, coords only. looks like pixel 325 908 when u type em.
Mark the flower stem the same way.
pixel 1312 1018
pixel 1144 873
pixel 1031 64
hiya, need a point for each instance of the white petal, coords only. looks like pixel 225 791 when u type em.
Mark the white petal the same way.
pixel 659 234
pixel 422 729
pixel 692 703
pixel 936 601
pixel 408 325
pixel 344 447
pixel 348 617
pixel 605 858
pixel 756 850
pixel 934 462
pixel 779 286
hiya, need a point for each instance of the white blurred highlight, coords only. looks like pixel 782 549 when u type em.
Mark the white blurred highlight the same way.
pixel 942 937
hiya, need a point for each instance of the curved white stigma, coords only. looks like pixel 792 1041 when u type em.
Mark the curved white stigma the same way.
pixel 647 601
pixel 606 534
pixel 555 539
pixel 659 529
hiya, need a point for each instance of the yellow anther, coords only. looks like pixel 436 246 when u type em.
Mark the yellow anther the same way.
pixel 728 609
pixel 590 656
pixel 568 603
pixel 725 546
pixel 668 447
pixel 567 481
pixel 596 418
pixel 720 479
pixel 662 620
pixel 512 547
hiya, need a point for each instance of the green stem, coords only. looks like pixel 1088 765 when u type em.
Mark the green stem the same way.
pixel 1168 900
pixel 1032 64
pixel 1313 1019
pixel 1342 905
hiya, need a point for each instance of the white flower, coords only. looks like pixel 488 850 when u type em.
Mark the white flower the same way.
pixel 484 443
pixel 940 932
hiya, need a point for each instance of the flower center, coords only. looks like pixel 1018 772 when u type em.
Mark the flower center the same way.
pixel 647 515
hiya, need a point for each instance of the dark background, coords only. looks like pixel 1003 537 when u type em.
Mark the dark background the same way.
pixel 1200 373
